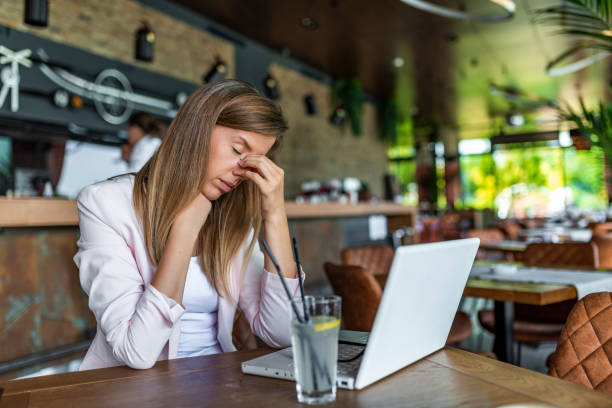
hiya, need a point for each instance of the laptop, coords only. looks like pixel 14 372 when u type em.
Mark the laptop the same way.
pixel 413 320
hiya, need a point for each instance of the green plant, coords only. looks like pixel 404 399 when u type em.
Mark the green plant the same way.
pixel 388 121
pixel 588 20
pixel 349 94
pixel 596 123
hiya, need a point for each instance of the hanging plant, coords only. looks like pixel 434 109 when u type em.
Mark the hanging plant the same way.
pixel 595 123
pixel 387 121
pixel 349 94
pixel 587 20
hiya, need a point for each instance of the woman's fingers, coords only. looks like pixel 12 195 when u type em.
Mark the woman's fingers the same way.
pixel 255 177
pixel 264 165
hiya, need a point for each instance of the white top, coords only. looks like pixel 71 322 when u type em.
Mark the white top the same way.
pixel 136 326
pixel 199 322
pixel 142 152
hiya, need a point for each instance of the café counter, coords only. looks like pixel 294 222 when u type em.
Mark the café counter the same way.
pixel 44 308
pixel 39 212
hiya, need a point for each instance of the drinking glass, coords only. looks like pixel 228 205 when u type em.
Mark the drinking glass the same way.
pixel 314 340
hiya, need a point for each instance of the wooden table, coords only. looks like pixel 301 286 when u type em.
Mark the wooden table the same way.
pixel 510 249
pixel 505 293
pixel 447 378
pixel 506 245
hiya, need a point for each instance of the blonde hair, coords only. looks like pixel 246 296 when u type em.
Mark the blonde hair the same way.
pixel 176 174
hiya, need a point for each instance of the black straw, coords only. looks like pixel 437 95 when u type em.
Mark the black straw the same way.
pixel 282 278
pixel 316 362
pixel 296 256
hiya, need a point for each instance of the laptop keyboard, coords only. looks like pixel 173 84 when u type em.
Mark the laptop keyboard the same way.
pixel 363 338
pixel 347 352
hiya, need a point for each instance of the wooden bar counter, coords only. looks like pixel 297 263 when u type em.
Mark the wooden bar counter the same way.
pixel 42 305
pixel 36 212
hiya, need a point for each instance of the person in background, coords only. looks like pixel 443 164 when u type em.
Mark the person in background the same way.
pixel 144 137
pixel 168 255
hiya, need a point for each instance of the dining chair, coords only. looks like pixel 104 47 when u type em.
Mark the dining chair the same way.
pixel 601 228
pixel 538 324
pixel 603 241
pixel 510 229
pixel 485 235
pixel 567 254
pixel 242 335
pixel 584 351
pixel 376 259
pixel 430 229
pixel 361 294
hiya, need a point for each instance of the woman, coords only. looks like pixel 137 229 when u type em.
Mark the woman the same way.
pixel 182 234
pixel 143 135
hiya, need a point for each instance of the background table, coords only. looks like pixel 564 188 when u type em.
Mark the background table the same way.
pixel 505 293
pixel 447 378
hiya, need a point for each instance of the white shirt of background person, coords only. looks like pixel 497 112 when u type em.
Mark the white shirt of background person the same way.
pixel 142 152
pixel 140 144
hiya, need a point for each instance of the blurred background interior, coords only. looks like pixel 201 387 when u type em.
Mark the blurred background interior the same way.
pixel 407 124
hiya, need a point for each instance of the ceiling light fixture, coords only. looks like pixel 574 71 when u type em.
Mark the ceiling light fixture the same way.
pixel 398 62
pixel 36 12
pixel 508 7
pixel 311 104
pixel 145 42
pixel 271 87
pixel 309 23
pixel 217 71
pixel 552 68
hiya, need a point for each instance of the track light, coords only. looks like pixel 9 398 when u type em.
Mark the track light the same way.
pixel 36 12
pixel 217 72
pixel 271 87
pixel 338 116
pixel 145 41
pixel 311 105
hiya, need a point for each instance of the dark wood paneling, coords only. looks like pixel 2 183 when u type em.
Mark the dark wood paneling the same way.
pixel 42 306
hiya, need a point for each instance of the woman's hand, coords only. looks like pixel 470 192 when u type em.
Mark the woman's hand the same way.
pixel 269 178
pixel 193 217
pixel 172 269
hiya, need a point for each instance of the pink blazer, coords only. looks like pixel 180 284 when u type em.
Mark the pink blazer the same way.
pixel 138 325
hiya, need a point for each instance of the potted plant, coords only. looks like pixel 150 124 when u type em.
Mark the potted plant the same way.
pixel 388 121
pixel 596 124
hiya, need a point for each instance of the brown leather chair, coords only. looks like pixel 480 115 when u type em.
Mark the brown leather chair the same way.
pixel 601 228
pixel 242 336
pixel 460 329
pixel 431 229
pixel 485 235
pixel 376 259
pixel 568 254
pixel 535 324
pixel 584 351
pixel 511 229
pixel 361 294
pixel 604 249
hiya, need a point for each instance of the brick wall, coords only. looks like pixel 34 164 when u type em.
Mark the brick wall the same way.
pixel 108 28
pixel 314 149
